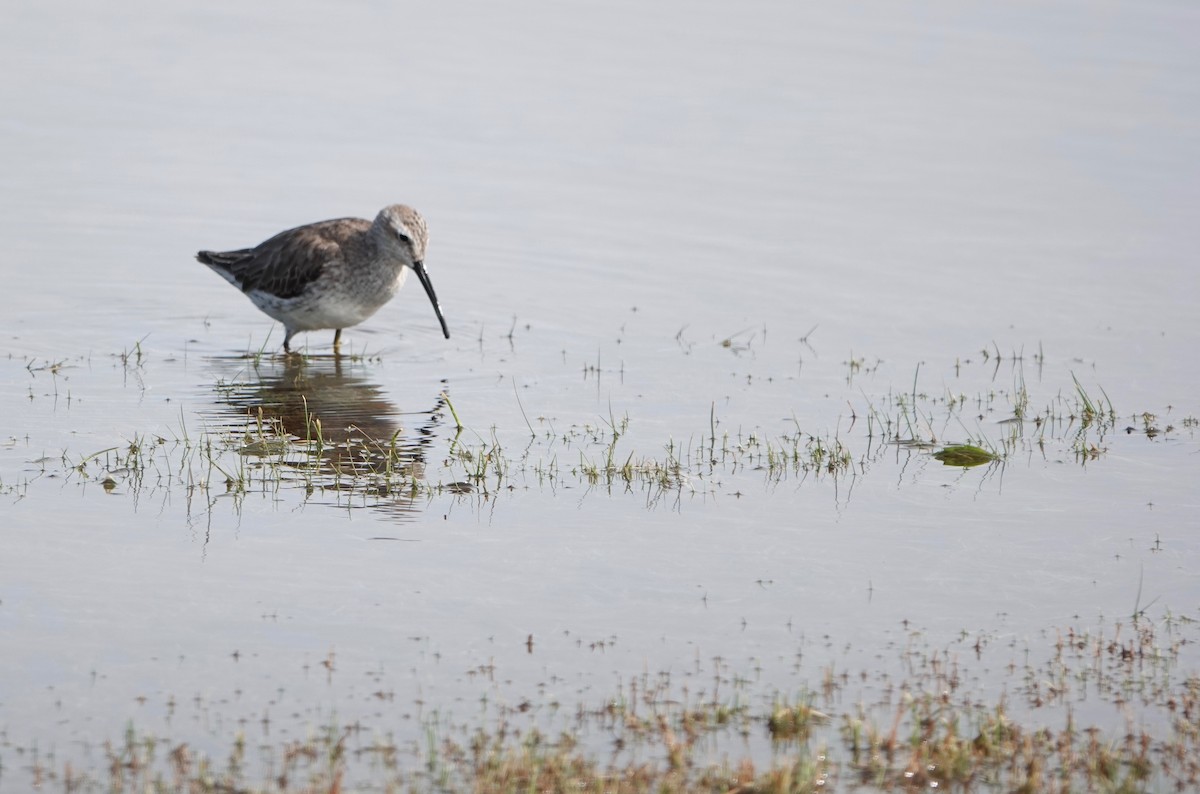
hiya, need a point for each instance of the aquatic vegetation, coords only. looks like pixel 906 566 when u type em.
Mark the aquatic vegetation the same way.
pixel 928 728
pixel 965 455
pixel 307 431
pixel 268 436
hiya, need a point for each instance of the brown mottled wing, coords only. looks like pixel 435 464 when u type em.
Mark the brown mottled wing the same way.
pixel 289 262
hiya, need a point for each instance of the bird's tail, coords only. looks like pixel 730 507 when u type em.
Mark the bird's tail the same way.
pixel 225 264
pixel 222 259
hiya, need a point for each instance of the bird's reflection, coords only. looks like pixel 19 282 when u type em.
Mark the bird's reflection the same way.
pixel 322 423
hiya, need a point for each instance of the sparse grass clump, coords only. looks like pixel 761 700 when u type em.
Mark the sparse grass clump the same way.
pixel 277 431
pixel 793 722
pixel 933 746
pixel 923 730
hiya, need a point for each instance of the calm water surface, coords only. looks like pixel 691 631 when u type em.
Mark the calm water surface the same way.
pixel 677 220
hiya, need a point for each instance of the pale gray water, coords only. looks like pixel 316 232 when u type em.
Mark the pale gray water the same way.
pixel 633 185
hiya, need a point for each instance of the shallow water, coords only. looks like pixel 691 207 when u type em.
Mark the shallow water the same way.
pixel 709 231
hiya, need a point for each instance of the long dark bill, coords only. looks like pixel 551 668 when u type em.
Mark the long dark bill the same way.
pixel 428 285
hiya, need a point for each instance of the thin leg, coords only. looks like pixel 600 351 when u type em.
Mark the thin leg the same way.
pixel 337 338
pixel 288 333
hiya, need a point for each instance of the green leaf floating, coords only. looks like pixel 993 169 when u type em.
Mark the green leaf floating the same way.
pixel 964 455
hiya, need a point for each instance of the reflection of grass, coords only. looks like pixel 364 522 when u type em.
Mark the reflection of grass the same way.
pixel 259 454
pixel 925 729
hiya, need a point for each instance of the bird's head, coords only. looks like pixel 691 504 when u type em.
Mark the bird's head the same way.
pixel 401 230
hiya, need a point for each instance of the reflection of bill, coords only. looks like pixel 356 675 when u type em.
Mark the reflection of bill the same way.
pixel 321 424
